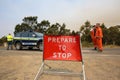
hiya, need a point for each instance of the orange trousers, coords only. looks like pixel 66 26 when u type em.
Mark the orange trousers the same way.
pixel 94 42
pixel 99 44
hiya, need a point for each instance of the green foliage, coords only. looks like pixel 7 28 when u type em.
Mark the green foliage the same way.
pixel 85 31
pixel 82 28
pixel 105 34
pixel 43 26
pixel 86 44
pixel 57 29
pixel 114 35
pixel 22 27
pixel 52 30
pixel 30 23
pixel 62 29
pixel 3 39
pixel 87 24
pixel 111 35
pixel 30 18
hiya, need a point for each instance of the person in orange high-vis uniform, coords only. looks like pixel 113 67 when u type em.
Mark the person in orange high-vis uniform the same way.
pixel 99 36
pixel 92 34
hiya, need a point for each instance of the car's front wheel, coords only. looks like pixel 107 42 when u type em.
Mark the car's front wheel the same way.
pixel 18 46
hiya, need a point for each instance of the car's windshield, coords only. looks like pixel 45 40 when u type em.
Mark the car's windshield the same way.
pixel 39 34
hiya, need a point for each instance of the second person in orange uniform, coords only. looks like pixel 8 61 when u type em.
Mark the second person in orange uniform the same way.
pixel 92 34
pixel 99 36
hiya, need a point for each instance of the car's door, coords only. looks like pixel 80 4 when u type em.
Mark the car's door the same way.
pixel 33 38
pixel 25 38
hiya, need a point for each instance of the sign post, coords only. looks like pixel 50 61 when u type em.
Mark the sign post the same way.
pixel 66 48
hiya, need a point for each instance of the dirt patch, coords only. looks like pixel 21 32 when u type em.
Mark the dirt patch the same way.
pixel 23 65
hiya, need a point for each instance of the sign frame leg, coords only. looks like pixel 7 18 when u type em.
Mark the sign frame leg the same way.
pixel 83 67
pixel 40 71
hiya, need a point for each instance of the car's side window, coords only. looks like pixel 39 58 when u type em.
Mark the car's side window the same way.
pixel 17 34
pixel 24 34
pixel 32 35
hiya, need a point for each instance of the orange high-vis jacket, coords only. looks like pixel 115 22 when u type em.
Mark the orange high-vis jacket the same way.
pixel 99 33
pixel 99 36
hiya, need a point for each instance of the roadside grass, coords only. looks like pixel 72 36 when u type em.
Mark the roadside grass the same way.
pixel 86 44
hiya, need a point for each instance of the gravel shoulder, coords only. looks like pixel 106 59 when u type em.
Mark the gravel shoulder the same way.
pixel 23 65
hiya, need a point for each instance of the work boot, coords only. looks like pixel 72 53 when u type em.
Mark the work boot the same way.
pixel 95 48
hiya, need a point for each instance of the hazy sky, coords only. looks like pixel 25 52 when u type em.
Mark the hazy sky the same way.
pixel 71 12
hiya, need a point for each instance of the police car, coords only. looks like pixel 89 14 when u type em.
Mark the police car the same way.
pixel 28 39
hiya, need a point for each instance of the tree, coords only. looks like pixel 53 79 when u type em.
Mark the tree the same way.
pixel 67 32
pixel 118 35
pixel 22 27
pixel 57 29
pixel 17 28
pixel 43 26
pixel 29 23
pixel 62 29
pixel 3 39
pixel 87 24
pixel 85 31
pixel 53 30
pixel 113 35
pixel 73 32
pixel 105 34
